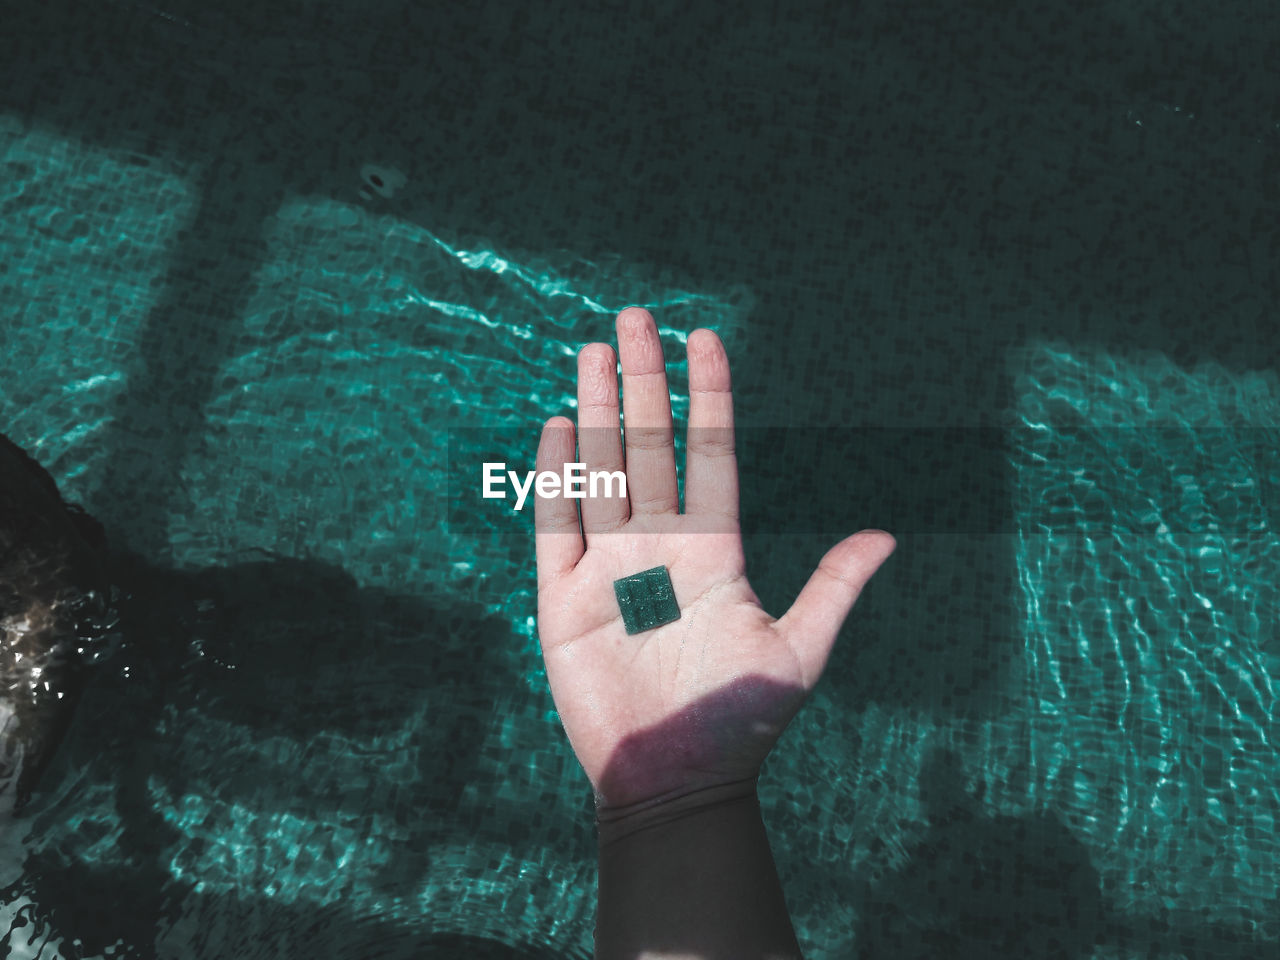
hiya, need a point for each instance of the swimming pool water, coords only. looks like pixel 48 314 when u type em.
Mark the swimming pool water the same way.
pixel 1051 718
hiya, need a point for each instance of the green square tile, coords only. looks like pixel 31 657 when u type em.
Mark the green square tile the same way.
pixel 647 600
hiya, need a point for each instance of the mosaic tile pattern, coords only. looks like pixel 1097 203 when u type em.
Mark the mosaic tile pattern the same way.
pixel 646 600
pixel 929 234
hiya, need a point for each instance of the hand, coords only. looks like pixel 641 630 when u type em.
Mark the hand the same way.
pixel 701 701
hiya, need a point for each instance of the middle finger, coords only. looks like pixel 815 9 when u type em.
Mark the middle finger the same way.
pixel 646 416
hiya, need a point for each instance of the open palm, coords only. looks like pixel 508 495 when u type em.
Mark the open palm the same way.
pixel 701 701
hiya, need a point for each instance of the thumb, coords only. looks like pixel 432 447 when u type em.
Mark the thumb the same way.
pixel 814 620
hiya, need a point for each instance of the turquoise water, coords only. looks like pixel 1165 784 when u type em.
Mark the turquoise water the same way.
pixel 330 734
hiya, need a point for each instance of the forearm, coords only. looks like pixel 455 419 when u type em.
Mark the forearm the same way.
pixel 692 879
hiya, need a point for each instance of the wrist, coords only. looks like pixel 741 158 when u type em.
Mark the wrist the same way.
pixel 614 823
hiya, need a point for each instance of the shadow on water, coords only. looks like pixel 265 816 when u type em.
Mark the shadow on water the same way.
pixel 977 887
pixel 288 651
pixel 271 655
pixel 812 149
pixel 804 139
pixel 981 887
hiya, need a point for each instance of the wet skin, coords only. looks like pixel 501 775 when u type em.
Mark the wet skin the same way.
pixel 53 582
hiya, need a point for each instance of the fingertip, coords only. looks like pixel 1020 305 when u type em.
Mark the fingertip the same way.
pixel 886 542
pixel 639 345
pixel 556 443
pixel 597 352
pixel 634 319
pixel 861 554
pixel 557 423
pixel 597 376
pixel 708 362
pixel 704 342
pixel 637 330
